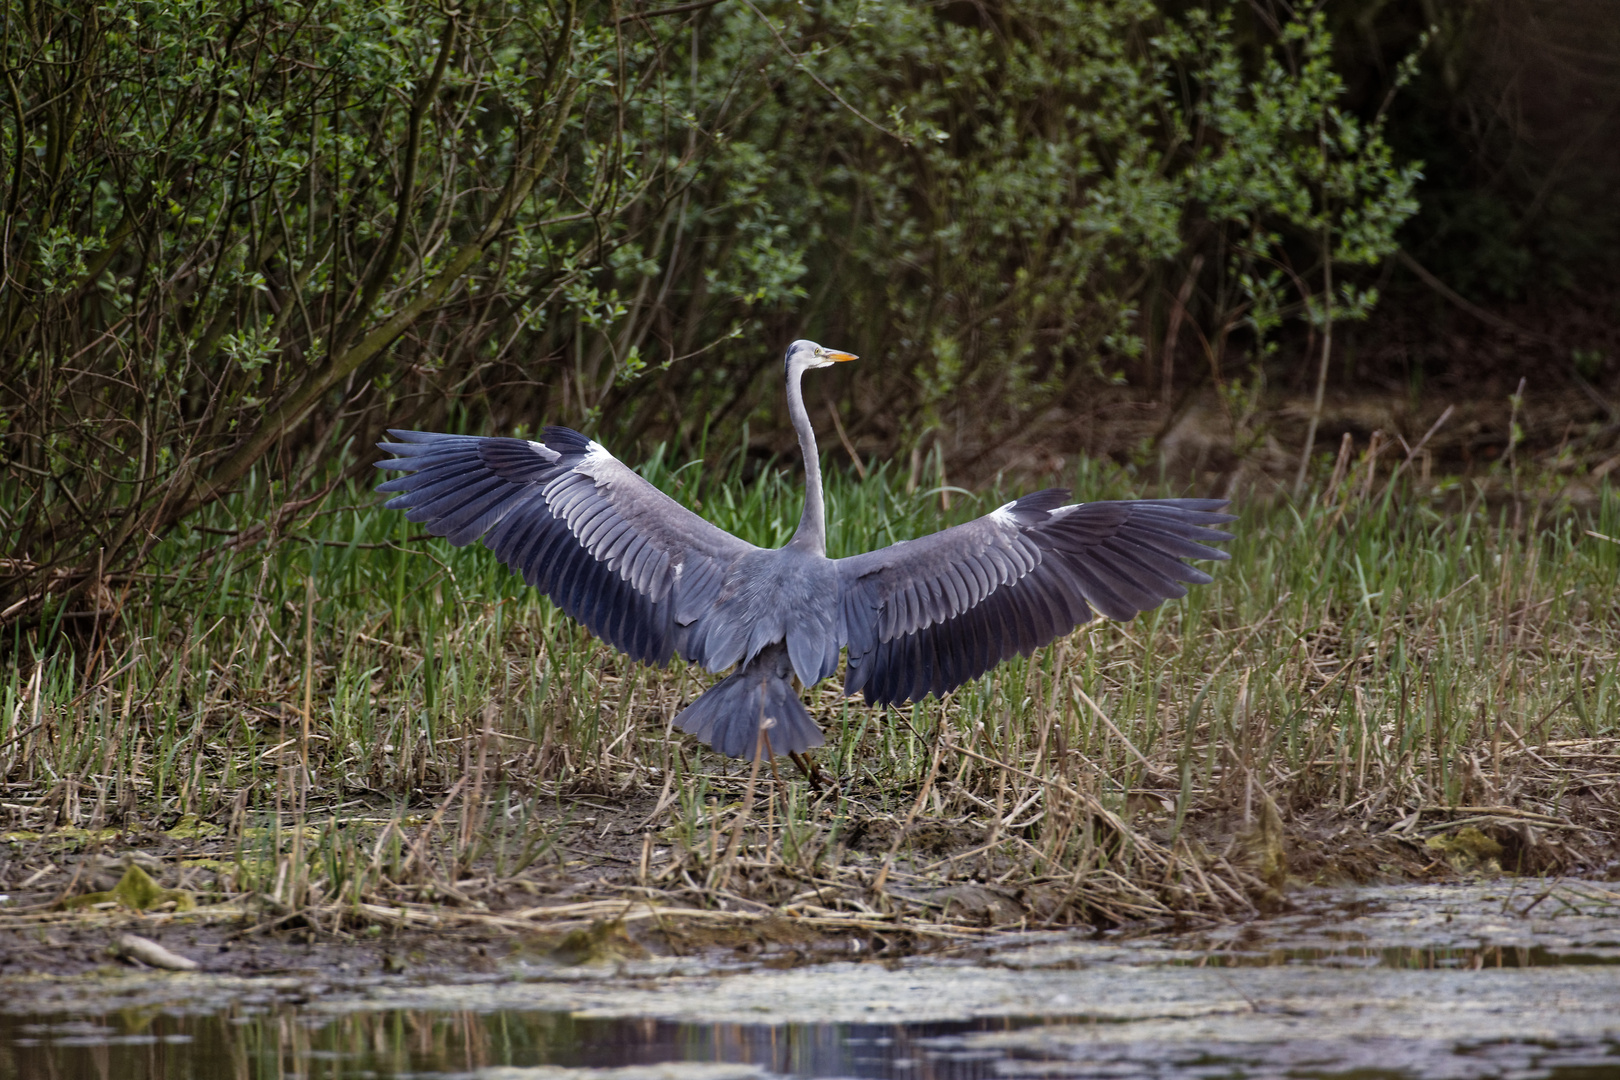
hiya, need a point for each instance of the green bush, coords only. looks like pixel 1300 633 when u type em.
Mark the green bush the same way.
pixel 247 238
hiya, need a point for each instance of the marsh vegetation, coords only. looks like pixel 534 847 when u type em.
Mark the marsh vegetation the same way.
pixel 347 724
pixel 1101 243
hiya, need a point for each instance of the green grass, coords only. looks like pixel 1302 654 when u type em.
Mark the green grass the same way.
pixel 1361 657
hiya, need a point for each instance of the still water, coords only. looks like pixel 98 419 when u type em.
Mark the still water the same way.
pixel 1411 982
pixel 418 1043
pixel 543 1046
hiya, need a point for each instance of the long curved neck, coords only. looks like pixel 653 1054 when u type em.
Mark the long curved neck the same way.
pixel 812 531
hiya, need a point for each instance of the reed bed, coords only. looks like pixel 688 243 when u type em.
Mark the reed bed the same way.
pixel 323 719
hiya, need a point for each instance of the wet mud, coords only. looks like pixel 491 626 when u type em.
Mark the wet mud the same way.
pixel 1508 978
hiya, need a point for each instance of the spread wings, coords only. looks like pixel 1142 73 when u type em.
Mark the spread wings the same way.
pixel 924 616
pixel 629 562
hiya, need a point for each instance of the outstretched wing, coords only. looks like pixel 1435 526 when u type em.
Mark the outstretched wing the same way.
pixel 629 562
pixel 924 616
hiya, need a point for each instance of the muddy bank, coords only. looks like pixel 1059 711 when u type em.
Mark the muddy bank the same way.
pixel 1485 980
pixel 71 901
pixel 777 972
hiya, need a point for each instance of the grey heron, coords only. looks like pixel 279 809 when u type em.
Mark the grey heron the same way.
pixel 919 617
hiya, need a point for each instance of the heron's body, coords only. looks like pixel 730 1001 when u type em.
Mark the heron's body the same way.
pixel 923 616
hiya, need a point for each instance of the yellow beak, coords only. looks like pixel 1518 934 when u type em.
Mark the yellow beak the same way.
pixel 841 357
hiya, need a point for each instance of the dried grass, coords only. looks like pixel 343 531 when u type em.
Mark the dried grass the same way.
pixel 365 728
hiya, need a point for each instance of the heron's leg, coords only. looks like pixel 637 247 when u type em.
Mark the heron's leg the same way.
pixel 819 781
pixel 804 766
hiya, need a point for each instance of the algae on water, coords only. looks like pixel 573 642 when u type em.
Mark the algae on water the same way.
pixel 1468 849
pixel 136 891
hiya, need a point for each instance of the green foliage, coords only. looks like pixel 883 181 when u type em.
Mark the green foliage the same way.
pixel 236 235
pixel 992 258
pixel 233 231
pixel 1277 159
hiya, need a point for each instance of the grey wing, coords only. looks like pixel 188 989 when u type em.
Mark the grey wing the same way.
pixel 629 562
pixel 926 615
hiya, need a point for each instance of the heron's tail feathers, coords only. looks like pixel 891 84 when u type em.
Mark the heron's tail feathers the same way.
pixel 729 715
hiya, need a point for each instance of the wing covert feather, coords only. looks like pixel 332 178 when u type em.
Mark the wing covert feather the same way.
pixel 924 616
pixel 608 547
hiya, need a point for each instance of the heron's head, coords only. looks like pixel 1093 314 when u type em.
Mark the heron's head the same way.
pixel 803 355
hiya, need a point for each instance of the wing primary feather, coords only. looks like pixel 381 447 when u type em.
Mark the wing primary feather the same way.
pixel 1037 611
pixel 953 657
pixel 1177 544
pixel 1129 582
pixel 877 685
pixel 1024 619
pixel 895 671
pixel 977 639
pixel 470 521
pixel 928 663
pixel 509 533
pixel 441 494
pixel 916 686
pixel 570 580
pixel 1169 571
pixel 1098 594
pixel 540 558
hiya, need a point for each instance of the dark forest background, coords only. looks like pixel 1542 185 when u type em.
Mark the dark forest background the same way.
pixel 240 239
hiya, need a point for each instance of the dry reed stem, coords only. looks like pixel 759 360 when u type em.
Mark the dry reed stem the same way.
pixel 1104 777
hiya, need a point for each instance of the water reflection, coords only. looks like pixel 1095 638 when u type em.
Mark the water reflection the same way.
pixel 245 1044
pixel 1398 984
